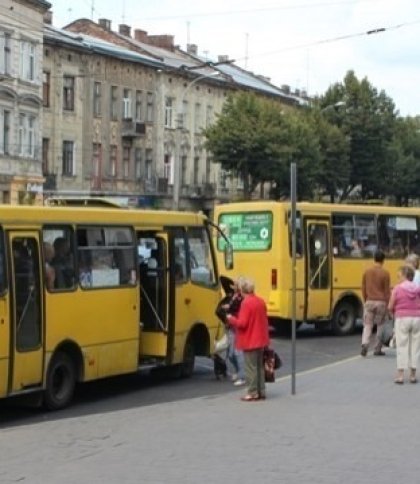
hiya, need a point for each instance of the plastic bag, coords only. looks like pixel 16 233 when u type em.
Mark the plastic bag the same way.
pixel 221 344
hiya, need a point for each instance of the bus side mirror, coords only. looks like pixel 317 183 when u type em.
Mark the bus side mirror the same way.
pixel 228 251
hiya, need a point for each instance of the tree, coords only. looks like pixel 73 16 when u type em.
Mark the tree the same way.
pixel 403 178
pixel 244 139
pixel 368 119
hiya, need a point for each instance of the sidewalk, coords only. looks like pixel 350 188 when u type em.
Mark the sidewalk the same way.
pixel 348 423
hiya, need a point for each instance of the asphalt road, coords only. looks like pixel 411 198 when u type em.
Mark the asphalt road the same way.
pixel 313 349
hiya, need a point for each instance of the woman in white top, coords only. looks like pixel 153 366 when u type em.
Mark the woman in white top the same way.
pixel 413 260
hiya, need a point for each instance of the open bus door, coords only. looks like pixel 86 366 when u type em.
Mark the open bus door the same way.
pixel 154 293
pixel 5 327
pixel 27 335
pixel 318 270
pixel 165 292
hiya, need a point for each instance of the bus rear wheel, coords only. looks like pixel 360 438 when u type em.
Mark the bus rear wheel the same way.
pixel 344 319
pixel 61 382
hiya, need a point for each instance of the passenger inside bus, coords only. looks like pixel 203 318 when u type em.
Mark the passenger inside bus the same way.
pixel 63 264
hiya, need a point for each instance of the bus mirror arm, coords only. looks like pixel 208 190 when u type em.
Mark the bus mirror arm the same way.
pixel 228 250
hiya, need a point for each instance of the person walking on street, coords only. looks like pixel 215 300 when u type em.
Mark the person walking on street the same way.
pixel 251 326
pixel 405 305
pixel 375 292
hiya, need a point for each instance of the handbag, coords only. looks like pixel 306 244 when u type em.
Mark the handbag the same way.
pixel 221 344
pixel 387 332
pixel 272 362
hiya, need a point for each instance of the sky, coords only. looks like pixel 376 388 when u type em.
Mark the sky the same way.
pixel 306 44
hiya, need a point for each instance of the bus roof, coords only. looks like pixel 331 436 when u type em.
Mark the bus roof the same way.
pixel 18 214
pixel 260 205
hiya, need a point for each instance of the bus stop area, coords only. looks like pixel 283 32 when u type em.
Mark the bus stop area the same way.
pixel 348 422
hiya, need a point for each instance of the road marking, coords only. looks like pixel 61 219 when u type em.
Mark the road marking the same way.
pixel 304 372
pixel 319 368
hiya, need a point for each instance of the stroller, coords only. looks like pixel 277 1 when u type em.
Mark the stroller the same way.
pixel 222 343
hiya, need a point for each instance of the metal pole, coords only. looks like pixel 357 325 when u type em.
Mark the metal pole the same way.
pixel 293 234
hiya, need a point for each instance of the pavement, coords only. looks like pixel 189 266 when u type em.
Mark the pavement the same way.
pixel 347 423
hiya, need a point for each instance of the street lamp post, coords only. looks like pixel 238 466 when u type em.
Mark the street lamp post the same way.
pixel 179 128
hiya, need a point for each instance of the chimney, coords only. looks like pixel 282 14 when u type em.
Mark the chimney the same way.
pixel 192 49
pixel 105 23
pixel 125 30
pixel 140 35
pixel 222 58
pixel 163 41
pixel 48 17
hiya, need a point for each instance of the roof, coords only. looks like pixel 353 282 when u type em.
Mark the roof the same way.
pixel 95 45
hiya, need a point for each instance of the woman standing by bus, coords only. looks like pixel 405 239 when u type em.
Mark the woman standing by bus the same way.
pixel 405 305
pixel 251 326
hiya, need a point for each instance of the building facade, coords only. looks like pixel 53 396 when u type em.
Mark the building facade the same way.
pixel 21 56
pixel 123 116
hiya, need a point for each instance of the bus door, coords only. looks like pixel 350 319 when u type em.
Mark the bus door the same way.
pixel 4 322
pixel 154 292
pixel 26 309
pixel 318 270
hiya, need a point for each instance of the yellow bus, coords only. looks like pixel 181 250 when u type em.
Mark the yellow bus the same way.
pixel 86 293
pixel 335 244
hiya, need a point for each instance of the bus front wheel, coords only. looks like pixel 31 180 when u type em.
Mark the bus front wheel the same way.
pixel 344 319
pixel 61 381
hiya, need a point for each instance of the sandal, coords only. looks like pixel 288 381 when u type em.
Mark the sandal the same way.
pixel 250 398
pixel 413 379
pixel 399 381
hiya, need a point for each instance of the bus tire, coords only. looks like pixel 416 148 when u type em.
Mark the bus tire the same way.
pixel 61 382
pixel 187 365
pixel 344 319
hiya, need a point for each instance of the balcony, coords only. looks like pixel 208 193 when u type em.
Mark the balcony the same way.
pixel 132 129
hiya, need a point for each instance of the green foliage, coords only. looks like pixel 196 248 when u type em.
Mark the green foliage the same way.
pixel 350 143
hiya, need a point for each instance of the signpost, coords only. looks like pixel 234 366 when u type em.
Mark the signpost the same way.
pixel 293 222
pixel 247 231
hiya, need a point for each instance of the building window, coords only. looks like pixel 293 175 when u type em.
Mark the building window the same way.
pixel 126 104
pixel 27 60
pixel 126 161
pixel 139 159
pixel 185 114
pixel 45 161
pixel 113 160
pixel 149 164
pixel 96 160
pixel 26 135
pixel 97 98
pixel 68 93
pixel 149 112
pixel 4 132
pixel 5 53
pixel 68 158
pixel 183 170
pixel 197 117
pixel 31 137
pixel 169 113
pixel 167 168
pixel 196 169
pixel 46 89
pixel 139 95
pixel 114 102
pixel 209 116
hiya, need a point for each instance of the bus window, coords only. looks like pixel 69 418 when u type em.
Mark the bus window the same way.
pixel 106 256
pixel 299 243
pixel 201 258
pixel 354 235
pixel 181 272
pixel 58 253
pixel 398 235
pixel 3 279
